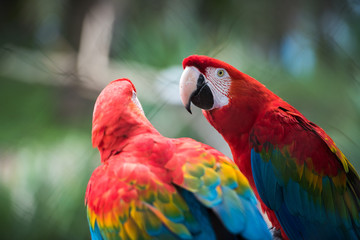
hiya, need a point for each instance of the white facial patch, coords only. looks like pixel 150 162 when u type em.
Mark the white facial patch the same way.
pixel 219 82
pixel 137 102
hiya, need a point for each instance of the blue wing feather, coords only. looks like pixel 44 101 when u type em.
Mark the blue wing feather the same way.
pixel 95 232
pixel 301 216
pixel 229 220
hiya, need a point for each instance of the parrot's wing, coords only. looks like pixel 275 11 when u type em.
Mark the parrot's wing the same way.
pixel 129 200
pixel 198 194
pixel 301 174
pixel 217 183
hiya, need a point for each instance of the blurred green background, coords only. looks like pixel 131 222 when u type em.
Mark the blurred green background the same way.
pixel 56 56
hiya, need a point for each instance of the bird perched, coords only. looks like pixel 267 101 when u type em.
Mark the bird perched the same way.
pixel 152 187
pixel 307 187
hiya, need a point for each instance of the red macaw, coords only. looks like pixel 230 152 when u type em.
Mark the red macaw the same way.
pixel 306 185
pixel 152 187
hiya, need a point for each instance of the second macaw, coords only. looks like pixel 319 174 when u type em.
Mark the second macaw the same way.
pixel 306 185
pixel 152 187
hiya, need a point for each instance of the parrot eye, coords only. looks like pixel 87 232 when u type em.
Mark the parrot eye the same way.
pixel 220 72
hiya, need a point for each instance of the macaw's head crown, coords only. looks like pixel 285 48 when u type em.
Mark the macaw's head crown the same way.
pixel 203 62
pixel 117 113
pixel 114 99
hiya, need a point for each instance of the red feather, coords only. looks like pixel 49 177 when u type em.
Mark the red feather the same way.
pixel 255 117
pixel 138 190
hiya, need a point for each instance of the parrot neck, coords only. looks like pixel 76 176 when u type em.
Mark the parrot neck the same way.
pixel 112 140
pixel 249 100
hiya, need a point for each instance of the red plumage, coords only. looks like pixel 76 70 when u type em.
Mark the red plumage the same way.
pixel 262 129
pixel 149 186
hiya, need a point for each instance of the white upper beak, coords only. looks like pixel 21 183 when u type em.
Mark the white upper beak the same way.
pixel 188 83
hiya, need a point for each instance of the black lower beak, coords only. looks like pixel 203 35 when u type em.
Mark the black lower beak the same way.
pixel 202 97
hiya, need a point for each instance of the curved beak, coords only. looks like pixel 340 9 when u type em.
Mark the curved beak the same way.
pixel 194 88
pixel 188 82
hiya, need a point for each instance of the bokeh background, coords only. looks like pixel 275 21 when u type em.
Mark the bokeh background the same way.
pixel 56 56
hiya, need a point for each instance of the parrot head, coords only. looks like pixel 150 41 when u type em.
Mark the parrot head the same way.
pixel 205 82
pixel 117 116
pixel 221 91
pixel 117 100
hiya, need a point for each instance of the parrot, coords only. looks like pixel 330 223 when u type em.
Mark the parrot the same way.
pixel 304 183
pixel 152 187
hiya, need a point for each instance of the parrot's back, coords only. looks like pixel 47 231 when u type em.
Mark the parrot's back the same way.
pixel 198 194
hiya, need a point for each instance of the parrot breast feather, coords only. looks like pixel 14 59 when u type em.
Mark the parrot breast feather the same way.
pixel 301 175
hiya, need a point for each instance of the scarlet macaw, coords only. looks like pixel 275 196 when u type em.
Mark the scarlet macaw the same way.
pixel 152 187
pixel 307 187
